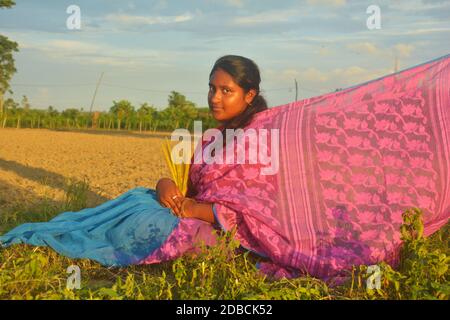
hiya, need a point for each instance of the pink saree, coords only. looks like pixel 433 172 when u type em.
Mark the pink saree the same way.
pixel 350 162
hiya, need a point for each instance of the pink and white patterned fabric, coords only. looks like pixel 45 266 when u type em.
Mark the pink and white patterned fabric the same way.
pixel 350 162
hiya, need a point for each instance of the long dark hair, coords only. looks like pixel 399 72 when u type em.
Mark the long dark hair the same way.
pixel 246 74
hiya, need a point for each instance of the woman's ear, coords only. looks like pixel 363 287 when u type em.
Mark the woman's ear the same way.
pixel 251 94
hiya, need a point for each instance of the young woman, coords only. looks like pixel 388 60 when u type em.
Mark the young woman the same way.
pixel 233 98
pixel 344 167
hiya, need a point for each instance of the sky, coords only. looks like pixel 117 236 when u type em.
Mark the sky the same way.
pixel 146 49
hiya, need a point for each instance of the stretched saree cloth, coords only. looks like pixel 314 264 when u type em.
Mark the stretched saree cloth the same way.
pixel 349 164
pixel 119 232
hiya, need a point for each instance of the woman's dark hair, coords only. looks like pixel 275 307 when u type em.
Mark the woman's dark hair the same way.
pixel 246 74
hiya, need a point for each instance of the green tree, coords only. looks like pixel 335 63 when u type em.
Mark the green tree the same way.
pixel 52 116
pixel 146 114
pixel 20 114
pixel 71 115
pixel 178 100
pixel 25 111
pixel 25 104
pixel 6 3
pixel 10 107
pixel 181 111
pixel 7 67
pixel 122 109
pixel 52 112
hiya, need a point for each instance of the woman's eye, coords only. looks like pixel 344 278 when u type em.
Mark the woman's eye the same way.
pixel 224 90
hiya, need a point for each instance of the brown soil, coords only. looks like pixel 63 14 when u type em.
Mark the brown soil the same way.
pixel 36 164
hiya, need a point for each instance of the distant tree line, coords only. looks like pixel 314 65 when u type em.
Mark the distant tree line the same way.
pixel 122 115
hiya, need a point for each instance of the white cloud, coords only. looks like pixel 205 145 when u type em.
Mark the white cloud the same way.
pixel 95 53
pixel 403 50
pixel 265 17
pixel 417 5
pixel 290 73
pixel 126 19
pixel 325 52
pixel 230 3
pixel 352 72
pixel 415 32
pixel 320 81
pixel 363 47
pixel 73 46
pixel 400 50
pixel 313 75
pixel 235 3
pixel 328 2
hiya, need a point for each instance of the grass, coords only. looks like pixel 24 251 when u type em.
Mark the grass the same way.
pixel 220 272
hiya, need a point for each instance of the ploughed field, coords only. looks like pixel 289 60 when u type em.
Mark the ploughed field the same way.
pixel 37 164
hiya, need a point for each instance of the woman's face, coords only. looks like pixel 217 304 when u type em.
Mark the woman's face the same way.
pixel 226 98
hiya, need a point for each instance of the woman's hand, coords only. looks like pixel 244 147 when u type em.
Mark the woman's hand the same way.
pixel 169 195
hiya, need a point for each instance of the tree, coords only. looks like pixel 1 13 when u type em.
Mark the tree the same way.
pixel 145 114
pixel 7 67
pixel 11 105
pixel 178 100
pixel 181 110
pixel 25 104
pixel 122 109
pixel 52 117
pixel 6 3
pixel 71 115
pixel 52 112
pixel 20 113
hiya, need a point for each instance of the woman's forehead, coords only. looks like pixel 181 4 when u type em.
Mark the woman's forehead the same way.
pixel 221 78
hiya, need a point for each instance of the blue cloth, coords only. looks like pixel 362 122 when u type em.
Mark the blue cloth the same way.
pixel 118 232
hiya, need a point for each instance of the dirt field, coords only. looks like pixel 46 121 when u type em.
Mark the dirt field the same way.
pixel 36 163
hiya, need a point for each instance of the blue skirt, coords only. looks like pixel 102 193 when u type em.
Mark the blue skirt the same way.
pixel 119 232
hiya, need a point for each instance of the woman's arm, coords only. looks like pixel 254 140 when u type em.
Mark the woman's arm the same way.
pixel 193 209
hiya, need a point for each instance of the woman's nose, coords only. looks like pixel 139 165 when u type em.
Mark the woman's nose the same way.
pixel 215 96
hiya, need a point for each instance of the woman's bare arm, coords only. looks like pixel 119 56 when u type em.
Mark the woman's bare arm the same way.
pixel 198 210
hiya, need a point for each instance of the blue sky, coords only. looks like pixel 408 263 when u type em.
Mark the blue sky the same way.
pixel 148 48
